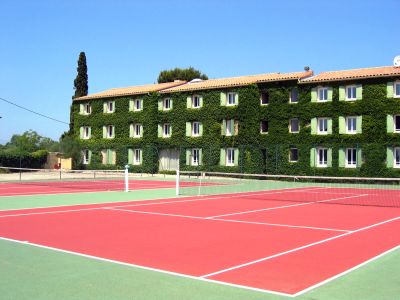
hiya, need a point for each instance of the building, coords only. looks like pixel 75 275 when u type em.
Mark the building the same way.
pixel 341 123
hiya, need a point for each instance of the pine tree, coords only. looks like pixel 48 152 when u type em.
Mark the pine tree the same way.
pixel 81 80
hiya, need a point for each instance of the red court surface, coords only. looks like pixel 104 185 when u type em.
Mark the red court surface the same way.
pixel 282 247
pixel 65 187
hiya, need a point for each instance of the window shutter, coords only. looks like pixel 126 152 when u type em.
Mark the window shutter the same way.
pixel 200 156
pixel 389 124
pixel 160 104
pixel 131 102
pixel 329 126
pixel 159 130
pixel 170 130
pixel 141 104
pixel 81 132
pixel 232 126
pixel 104 132
pixel 113 131
pixel 389 157
pixel 222 157
pixel 329 157
pixel 237 98
pixel 81 109
pixel 114 157
pixel 359 91
pixel 314 126
pixel 109 157
pixel 201 129
pixel 104 157
pixel 104 107
pixel 342 125
pixel 90 155
pixel 236 127
pixel 223 99
pixel 141 156
pixel 130 130
pixel 188 129
pixel 342 157
pixel 130 156
pixel 201 101
pixel 330 93
pixel 236 157
pixel 390 89
pixel 312 157
pixel 189 102
pixel 359 123
pixel 314 95
pixel 223 128
pixel 342 93
pixel 141 130
pixel 188 155
pixel 90 132
pixel 359 157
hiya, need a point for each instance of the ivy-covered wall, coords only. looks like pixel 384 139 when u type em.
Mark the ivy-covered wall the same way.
pixel 258 153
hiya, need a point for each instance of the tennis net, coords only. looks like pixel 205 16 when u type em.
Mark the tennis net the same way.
pixel 383 192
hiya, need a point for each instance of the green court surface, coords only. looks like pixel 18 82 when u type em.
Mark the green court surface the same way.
pixel 30 272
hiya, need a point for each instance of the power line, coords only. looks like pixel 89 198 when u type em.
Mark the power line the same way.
pixel 34 112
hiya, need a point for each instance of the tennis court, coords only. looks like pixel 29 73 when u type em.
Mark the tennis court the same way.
pixel 282 240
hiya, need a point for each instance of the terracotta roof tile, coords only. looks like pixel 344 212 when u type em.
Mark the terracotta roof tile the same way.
pixel 236 81
pixel 132 90
pixel 354 74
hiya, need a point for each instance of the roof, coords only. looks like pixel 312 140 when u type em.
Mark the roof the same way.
pixel 236 81
pixel 354 74
pixel 132 90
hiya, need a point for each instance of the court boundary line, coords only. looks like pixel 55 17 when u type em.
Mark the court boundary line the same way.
pixel 298 248
pixel 196 278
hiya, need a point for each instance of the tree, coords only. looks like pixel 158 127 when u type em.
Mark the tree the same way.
pixel 81 80
pixel 180 74
pixel 71 148
pixel 30 141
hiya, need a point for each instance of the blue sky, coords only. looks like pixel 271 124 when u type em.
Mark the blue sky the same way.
pixel 129 42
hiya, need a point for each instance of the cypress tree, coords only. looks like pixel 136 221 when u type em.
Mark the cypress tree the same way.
pixel 81 80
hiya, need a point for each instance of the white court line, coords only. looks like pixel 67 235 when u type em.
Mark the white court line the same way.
pixel 297 249
pixel 225 220
pixel 148 268
pixel 285 206
pixel 345 272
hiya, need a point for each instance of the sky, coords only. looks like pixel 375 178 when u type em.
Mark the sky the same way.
pixel 129 42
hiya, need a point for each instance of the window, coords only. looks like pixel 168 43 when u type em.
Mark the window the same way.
pixel 351 158
pixel 230 156
pixel 87 109
pixel 86 157
pixel 264 98
pixel 322 157
pixel 322 94
pixel 109 131
pixel 136 130
pixel 195 128
pixel 264 126
pixel 86 132
pixel 322 125
pixel 137 105
pixel 396 123
pixel 195 157
pixel 167 104
pixel 137 156
pixel 397 89
pixel 293 155
pixel 231 99
pixel 109 157
pixel 195 101
pixel 294 95
pixel 351 125
pixel 294 126
pixel 109 107
pixel 351 92
pixel 396 157
pixel 166 130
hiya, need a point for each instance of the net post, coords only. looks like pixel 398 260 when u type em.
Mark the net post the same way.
pixel 126 178
pixel 177 183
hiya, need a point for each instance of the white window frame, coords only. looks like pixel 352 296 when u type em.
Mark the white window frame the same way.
pixel 87 109
pixel 395 84
pixel 167 103
pixel 110 130
pixel 196 101
pixel 353 92
pixel 322 163
pixel 86 134
pixel 230 157
pixel 228 97
pixel 137 105
pixel 323 120
pixel 228 128
pixel 136 157
pixel 290 96
pixel 195 161
pixel 323 90
pixel 395 130
pixel 348 122
pixel 290 152
pixel 136 128
pixel 396 164
pixel 166 130
pixel 85 157
pixel 298 125
pixel 261 98
pixel 196 128
pixel 351 158
pixel 110 107
pixel 264 132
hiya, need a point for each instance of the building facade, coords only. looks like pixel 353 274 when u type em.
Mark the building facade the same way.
pixel 341 123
